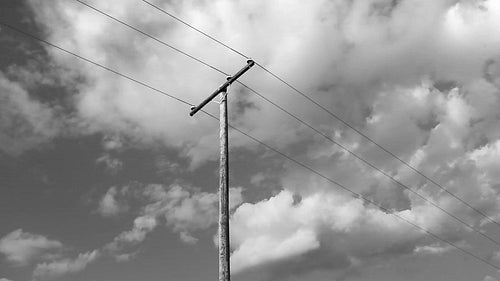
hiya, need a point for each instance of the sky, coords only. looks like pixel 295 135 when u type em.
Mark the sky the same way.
pixel 104 179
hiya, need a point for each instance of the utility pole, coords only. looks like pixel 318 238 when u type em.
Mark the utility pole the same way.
pixel 224 249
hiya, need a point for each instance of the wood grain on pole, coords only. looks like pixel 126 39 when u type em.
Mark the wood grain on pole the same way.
pixel 224 253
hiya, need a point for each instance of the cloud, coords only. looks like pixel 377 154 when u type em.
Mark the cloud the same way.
pixel 58 268
pixel 111 144
pixel 402 80
pixel 113 106
pixel 112 164
pixel 111 204
pixel 281 228
pixel 184 210
pixel 487 158
pixel 187 238
pixel 335 53
pixel 432 249
pixel 142 226
pixel 362 36
pixel 4 279
pixel 22 248
pixel 25 122
pixel 191 212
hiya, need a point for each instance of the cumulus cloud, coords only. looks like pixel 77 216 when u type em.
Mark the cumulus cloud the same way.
pixel 112 164
pixel 21 248
pixel 112 204
pixel 142 226
pixel 58 268
pixel 348 52
pixel 362 36
pixel 24 248
pixel 394 69
pixel 183 210
pixel 433 249
pixel 111 144
pixel 25 122
pixel 281 228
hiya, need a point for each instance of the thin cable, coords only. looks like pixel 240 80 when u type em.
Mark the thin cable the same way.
pixel 94 63
pixel 151 36
pixel 256 140
pixel 306 124
pixel 198 30
pixel 331 114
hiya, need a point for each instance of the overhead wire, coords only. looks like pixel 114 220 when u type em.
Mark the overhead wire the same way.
pixel 357 195
pixel 149 35
pixel 347 124
pixel 198 30
pixel 399 183
pixel 93 62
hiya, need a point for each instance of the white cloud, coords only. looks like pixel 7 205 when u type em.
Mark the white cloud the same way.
pixel 4 279
pixel 487 159
pixel 403 80
pixel 21 248
pixel 112 143
pixel 112 164
pixel 142 226
pixel 58 268
pixel 279 228
pixel 196 211
pixel 25 122
pixel 373 33
pixel 432 249
pixel 110 205
pixel 235 197
pixel 182 209
pixel 328 225
pixel 187 238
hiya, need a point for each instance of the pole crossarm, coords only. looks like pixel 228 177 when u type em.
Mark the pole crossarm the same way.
pixel 222 88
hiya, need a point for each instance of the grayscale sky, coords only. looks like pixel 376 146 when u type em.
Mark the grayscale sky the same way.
pixel 103 179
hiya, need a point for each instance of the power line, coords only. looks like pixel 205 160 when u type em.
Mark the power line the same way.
pixel 402 185
pixel 329 112
pixel 198 30
pixel 94 63
pixel 357 195
pixel 151 36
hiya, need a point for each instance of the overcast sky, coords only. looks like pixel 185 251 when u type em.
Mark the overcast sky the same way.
pixel 103 179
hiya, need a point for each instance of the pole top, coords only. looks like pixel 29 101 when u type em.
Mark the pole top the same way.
pixel 223 87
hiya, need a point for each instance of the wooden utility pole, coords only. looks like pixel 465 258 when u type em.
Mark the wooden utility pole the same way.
pixel 224 247
pixel 224 251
